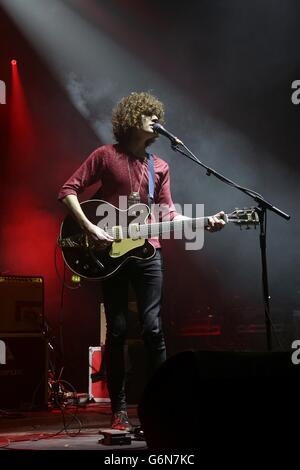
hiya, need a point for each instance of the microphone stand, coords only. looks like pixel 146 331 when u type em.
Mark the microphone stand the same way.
pixel 263 205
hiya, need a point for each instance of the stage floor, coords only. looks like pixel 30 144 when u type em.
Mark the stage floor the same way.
pixel 44 430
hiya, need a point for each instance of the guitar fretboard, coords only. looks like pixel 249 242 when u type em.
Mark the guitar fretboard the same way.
pixel 159 228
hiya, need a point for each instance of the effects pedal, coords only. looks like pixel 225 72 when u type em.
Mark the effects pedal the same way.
pixel 115 437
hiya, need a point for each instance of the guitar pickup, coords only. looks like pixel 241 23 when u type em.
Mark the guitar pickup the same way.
pixel 117 232
pixel 134 231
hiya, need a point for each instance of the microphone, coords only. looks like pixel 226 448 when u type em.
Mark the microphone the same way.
pixel 161 130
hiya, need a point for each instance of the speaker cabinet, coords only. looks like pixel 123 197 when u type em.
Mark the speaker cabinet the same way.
pixel 23 371
pixel 22 304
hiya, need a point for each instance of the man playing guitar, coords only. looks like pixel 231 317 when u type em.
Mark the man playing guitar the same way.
pixel 124 169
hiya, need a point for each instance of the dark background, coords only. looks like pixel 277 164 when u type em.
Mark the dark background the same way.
pixel 224 70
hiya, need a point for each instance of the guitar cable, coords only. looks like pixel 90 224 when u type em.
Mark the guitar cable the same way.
pixel 62 279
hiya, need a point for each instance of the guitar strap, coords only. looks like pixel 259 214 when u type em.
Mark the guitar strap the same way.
pixel 151 178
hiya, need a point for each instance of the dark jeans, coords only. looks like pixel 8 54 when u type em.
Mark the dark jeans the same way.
pixel 146 279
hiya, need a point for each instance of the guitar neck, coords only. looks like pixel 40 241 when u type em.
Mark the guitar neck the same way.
pixel 159 228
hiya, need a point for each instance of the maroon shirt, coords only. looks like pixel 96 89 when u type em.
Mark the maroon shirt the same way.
pixel 108 164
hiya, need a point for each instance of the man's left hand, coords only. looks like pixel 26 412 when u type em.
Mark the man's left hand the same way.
pixel 216 222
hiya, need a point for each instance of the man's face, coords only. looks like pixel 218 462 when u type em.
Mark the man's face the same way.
pixel 147 122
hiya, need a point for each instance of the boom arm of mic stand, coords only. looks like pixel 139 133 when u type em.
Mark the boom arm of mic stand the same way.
pixel 210 171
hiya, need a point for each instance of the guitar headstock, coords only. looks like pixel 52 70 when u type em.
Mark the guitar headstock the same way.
pixel 247 217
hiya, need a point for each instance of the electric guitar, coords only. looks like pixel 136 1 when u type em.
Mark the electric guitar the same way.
pixel 129 228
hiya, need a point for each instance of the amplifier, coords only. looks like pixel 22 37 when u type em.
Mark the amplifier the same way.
pixel 97 384
pixel 21 304
pixel 23 371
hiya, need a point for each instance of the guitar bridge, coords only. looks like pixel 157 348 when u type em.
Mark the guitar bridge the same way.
pixel 75 241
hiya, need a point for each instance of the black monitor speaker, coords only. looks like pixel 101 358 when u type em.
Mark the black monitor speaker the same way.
pixel 207 399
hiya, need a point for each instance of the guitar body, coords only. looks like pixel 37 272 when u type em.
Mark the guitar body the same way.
pixel 88 259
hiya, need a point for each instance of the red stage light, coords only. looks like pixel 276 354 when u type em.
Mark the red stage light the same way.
pixel 13 62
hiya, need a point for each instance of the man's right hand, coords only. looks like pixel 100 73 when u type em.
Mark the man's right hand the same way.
pixel 93 231
pixel 98 234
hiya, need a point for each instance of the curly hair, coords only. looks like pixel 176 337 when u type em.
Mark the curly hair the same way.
pixel 127 113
